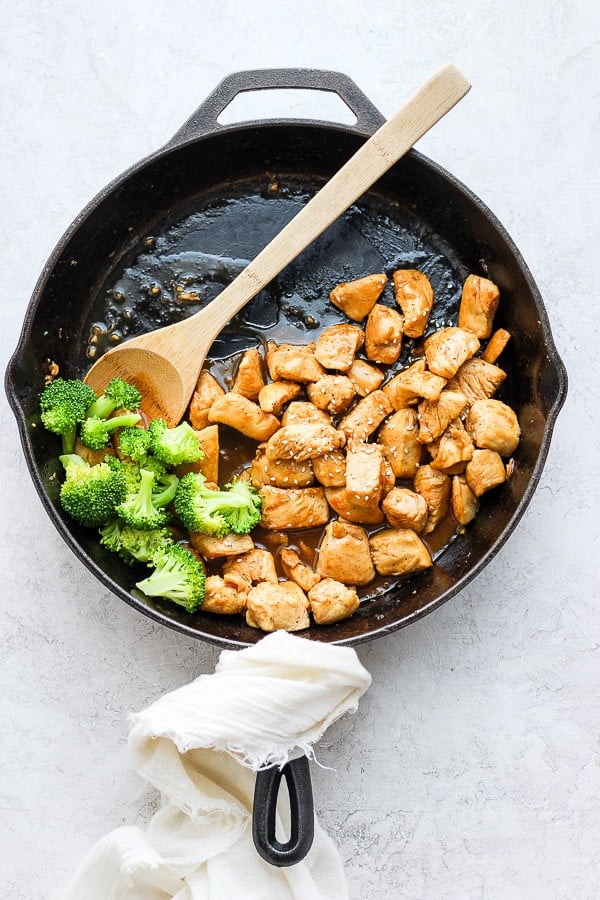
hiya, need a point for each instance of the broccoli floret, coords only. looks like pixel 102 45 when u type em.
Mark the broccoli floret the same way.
pixel 130 470
pixel 237 508
pixel 118 394
pixel 132 544
pixel 95 432
pixel 110 535
pixel 91 494
pixel 135 443
pixel 62 405
pixel 138 509
pixel 178 576
pixel 173 446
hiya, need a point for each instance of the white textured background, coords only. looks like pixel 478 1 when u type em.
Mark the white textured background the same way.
pixel 472 769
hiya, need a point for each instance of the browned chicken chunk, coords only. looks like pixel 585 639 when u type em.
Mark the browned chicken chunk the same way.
pixel 250 568
pixel 296 570
pixel 383 334
pixel 365 377
pixel 296 508
pixel 364 471
pixel 414 296
pixel 412 384
pixel 455 448
pixel 399 551
pixel 366 416
pixel 301 412
pixel 249 378
pixel 344 554
pixel 357 298
pixel 289 362
pixel 494 426
pixel 399 434
pixel 333 393
pixel 273 396
pixel 436 415
pixel 207 390
pixel 345 504
pixel 496 345
pixel 330 469
pixel 284 473
pixel 209 464
pixel 404 508
pixel 242 414
pixel 331 601
pixel 463 501
pixel 301 442
pixel 477 379
pixel 274 607
pixel 338 345
pixel 222 598
pixel 211 547
pixel 478 305
pixel 447 349
pixel 485 471
pixel 435 487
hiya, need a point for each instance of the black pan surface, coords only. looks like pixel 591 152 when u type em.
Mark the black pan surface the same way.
pixel 188 218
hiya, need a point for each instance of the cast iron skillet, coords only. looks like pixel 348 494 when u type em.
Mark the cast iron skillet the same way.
pixel 191 213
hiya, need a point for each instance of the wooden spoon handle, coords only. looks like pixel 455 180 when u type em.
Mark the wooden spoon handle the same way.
pixel 390 142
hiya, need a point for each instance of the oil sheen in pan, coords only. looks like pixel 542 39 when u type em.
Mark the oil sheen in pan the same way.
pixel 177 271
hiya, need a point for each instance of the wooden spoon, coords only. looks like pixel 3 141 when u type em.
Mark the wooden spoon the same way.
pixel 164 364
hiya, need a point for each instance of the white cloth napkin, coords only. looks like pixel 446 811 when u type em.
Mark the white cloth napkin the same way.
pixel 200 746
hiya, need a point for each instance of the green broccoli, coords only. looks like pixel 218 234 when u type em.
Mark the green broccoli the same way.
pixel 138 509
pixel 91 494
pixel 118 394
pixel 133 544
pixel 110 535
pixel 237 508
pixel 173 446
pixel 63 404
pixel 135 443
pixel 165 488
pixel 178 576
pixel 95 432
pixel 130 470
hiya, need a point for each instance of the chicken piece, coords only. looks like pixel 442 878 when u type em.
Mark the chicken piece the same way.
pixel 399 434
pixel 435 487
pixel 333 393
pixel 249 378
pixel 478 306
pixel 463 501
pixel 290 362
pixel 414 296
pixel 344 554
pixel 214 548
pixel 295 570
pixel 357 298
pixel 404 508
pixel 207 390
pixel 399 551
pixel 331 601
pixel 496 345
pixel 447 349
pixel 409 386
pixel 242 414
pixel 455 448
pixel 477 379
pixel 436 415
pixel 209 464
pixel 273 397
pixel 383 334
pixel 301 442
pixel 273 607
pixel 296 508
pixel 250 568
pixel 366 416
pixel 330 469
pixel 301 412
pixel 345 504
pixel 365 377
pixel 284 473
pixel 485 471
pixel 93 457
pixel 338 345
pixel 222 598
pixel 364 471
pixel 494 426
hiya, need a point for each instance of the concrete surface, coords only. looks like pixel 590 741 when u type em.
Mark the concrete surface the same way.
pixel 472 769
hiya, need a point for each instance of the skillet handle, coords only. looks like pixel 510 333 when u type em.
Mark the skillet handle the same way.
pixel 204 120
pixel 302 815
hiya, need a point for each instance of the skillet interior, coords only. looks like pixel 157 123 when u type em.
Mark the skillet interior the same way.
pixel 416 215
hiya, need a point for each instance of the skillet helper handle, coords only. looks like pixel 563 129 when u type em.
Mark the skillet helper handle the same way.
pixel 302 815
pixel 205 120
